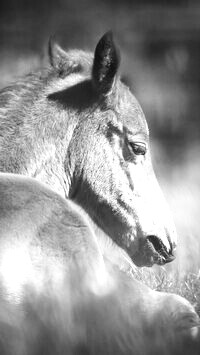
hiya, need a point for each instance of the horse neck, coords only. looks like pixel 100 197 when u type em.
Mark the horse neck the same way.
pixel 48 153
pixel 51 168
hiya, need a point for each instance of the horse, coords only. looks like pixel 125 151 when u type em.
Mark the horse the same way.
pixel 60 296
pixel 77 127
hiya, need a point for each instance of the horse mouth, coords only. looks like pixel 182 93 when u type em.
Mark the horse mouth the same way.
pixel 157 251
pixel 152 251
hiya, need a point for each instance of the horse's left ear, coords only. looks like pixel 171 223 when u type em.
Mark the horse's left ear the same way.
pixel 57 56
pixel 106 64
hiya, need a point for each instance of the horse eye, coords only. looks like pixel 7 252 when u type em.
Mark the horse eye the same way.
pixel 138 148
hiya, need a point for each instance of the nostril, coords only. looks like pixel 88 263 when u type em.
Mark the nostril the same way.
pixel 156 245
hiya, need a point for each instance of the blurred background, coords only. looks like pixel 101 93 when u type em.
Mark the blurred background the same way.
pixel 160 46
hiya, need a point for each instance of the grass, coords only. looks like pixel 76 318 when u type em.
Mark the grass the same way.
pixel 159 279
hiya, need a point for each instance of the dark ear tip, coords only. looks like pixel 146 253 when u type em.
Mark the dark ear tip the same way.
pixel 50 42
pixel 107 39
pixel 106 63
pixel 108 36
pixel 51 46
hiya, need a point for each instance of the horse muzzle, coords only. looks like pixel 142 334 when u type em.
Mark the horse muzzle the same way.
pixel 153 251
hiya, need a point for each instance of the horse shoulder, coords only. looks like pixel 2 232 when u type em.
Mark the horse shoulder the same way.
pixel 44 230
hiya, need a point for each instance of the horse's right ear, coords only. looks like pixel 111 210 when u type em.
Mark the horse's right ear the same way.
pixel 57 56
pixel 106 64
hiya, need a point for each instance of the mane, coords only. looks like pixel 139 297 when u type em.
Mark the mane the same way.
pixel 18 96
pixel 79 62
pixel 24 88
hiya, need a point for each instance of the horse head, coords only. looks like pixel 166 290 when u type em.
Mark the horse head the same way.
pixel 108 162
pixel 79 129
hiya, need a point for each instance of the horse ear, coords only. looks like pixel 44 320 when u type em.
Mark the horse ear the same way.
pixel 57 56
pixel 106 64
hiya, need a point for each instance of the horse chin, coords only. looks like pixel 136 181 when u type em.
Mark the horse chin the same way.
pixel 149 261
